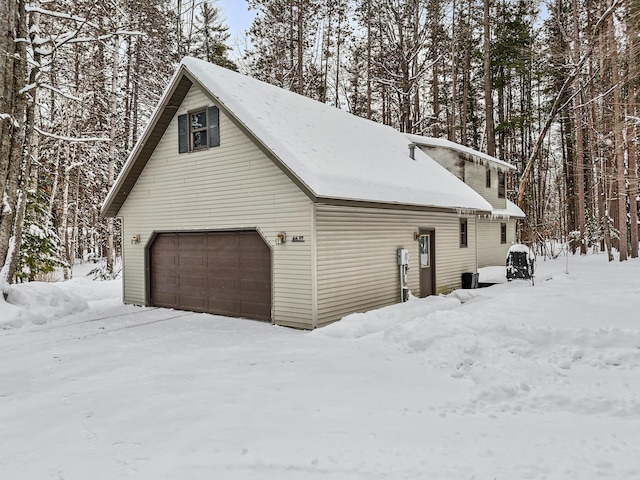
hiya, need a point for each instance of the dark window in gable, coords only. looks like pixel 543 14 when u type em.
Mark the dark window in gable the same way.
pixel 503 233
pixel 463 232
pixel 488 174
pixel 461 165
pixel 501 184
pixel 199 129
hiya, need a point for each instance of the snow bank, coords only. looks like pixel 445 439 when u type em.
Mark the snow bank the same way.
pixel 40 302
pixel 508 382
pixel 517 343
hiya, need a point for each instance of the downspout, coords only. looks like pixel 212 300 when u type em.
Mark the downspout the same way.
pixel 476 236
pixel 314 268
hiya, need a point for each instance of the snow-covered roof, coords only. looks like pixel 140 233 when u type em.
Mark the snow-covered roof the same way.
pixel 512 210
pixel 444 143
pixel 329 152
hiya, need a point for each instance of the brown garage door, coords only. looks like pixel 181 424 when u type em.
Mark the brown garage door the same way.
pixel 226 273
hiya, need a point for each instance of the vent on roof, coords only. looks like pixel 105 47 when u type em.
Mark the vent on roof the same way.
pixel 412 151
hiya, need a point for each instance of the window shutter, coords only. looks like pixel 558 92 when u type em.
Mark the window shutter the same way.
pixel 214 126
pixel 183 134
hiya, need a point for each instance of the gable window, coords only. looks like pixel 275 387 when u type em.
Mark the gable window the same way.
pixel 199 129
pixel 463 232
pixel 461 165
pixel 488 174
pixel 501 185
pixel 503 233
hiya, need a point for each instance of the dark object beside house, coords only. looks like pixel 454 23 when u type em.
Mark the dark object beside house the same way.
pixel 470 280
pixel 520 264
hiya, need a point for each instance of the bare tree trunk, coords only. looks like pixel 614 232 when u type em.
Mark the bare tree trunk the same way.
pixel 113 116
pixel 619 147
pixel 369 46
pixel 632 129
pixel 579 151
pixel 488 82
pixel 11 174
pixel 30 148
pixel 454 77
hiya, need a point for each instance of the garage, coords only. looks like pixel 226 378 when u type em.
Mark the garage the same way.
pixel 224 273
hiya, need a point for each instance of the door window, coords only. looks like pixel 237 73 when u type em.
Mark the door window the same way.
pixel 424 251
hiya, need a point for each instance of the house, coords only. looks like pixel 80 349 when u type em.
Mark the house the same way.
pixel 487 175
pixel 247 200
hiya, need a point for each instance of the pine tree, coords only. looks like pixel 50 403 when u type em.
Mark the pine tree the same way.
pixel 210 37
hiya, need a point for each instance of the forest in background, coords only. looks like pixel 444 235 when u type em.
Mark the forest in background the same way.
pixel 549 86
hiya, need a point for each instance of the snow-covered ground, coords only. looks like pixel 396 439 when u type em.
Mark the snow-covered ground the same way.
pixel 507 382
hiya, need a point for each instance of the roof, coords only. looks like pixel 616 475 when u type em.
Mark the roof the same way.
pixel 329 152
pixel 442 142
pixel 512 210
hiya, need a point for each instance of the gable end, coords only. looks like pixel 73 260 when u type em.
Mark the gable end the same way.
pixel 146 146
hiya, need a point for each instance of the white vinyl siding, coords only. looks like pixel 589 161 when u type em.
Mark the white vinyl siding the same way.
pixel 357 267
pixel 491 251
pixel 476 178
pixel 233 186
pixel 475 172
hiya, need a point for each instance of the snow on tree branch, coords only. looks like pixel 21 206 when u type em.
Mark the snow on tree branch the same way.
pixel 71 139
pixel 6 116
pixel 66 16
pixel 60 92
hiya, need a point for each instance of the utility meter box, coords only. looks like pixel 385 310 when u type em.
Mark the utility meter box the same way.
pixel 403 256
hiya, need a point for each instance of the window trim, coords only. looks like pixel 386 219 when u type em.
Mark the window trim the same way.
pixel 488 177
pixel 464 233
pixel 503 233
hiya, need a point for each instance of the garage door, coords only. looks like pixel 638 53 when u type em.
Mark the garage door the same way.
pixel 226 273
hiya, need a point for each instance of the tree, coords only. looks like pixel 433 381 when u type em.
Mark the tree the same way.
pixel 210 37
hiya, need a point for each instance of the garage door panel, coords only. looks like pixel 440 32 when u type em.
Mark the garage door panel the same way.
pixel 226 273
pixel 250 286
pixel 189 260
pixel 255 310
pixel 166 241
pixel 192 281
pixel 251 240
pixel 163 299
pixel 223 261
pixel 215 284
pixel 222 306
pixel 167 283
pixel 164 260
pixel 192 241
pixel 222 241
pixel 194 303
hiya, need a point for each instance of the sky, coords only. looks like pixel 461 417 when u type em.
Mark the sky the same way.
pixel 238 17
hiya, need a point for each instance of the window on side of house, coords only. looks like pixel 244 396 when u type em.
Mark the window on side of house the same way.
pixel 502 187
pixel 464 233
pixel 488 175
pixel 461 165
pixel 199 129
pixel 503 233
